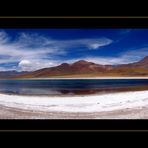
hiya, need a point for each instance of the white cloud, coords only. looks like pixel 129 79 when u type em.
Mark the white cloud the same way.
pixel 94 46
pixel 3 37
pixel 33 51
pixel 40 51
pixel 36 40
pixel 108 60
pixel 24 63
pixel 30 65
pixel 17 50
pixel 99 43
pixel 89 43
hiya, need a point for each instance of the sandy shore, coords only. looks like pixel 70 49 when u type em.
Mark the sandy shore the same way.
pixel 123 105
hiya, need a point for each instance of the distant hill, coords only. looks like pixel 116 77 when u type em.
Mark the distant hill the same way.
pixel 139 68
pixel 10 74
pixel 84 68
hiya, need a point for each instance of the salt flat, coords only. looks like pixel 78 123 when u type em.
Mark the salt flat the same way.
pixel 111 104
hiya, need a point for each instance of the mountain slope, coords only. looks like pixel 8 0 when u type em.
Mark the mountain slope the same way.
pixel 78 68
pixel 84 68
pixel 139 68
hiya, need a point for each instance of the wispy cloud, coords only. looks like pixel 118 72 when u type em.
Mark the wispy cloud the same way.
pixel 34 51
pixel 27 47
pixel 96 44
pixel 36 41
pixel 3 37
pixel 123 58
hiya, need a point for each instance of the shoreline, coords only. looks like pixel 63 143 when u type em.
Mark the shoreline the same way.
pixel 75 78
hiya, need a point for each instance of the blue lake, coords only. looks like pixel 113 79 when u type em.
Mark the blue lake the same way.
pixel 69 86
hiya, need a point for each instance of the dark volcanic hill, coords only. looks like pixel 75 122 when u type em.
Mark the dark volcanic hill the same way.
pixel 84 68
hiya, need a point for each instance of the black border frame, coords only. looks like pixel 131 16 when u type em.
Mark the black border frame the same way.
pixel 73 125
pixel 73 22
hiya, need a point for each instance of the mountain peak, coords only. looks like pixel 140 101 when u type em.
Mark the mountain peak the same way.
pixel 81 62
pixel 84 68
pixel 64 64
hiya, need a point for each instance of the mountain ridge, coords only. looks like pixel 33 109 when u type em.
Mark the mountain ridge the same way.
pixel 84 68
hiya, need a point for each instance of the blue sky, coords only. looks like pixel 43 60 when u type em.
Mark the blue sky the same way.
pixel 32 49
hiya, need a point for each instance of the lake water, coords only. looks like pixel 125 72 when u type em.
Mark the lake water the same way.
pixel 70 86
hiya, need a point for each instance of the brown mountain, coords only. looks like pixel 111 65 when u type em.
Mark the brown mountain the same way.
pixel 78 68
pixel 142 63
pixel 139 68
pixel 84 68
